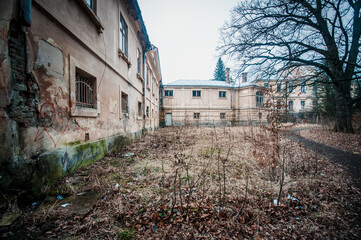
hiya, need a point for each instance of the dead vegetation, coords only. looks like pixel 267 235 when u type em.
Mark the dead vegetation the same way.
pixel 194 183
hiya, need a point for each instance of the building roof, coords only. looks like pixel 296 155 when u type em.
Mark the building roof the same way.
pixel 208 83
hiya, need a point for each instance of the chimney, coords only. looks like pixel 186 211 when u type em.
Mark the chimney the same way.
pixel 244 77
pixel 227 75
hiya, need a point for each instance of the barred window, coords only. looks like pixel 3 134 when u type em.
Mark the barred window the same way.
pixel 124 102
pixel 196 115
pixel 85 90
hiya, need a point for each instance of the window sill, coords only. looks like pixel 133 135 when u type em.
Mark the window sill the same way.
pixel 94 18
pixel 222 98
pixel 124 57
pixel 84 112
pixel 196 97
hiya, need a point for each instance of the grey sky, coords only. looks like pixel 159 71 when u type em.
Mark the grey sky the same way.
pixel 186 33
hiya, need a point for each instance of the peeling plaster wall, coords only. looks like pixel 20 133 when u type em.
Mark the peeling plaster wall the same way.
pixel 44 134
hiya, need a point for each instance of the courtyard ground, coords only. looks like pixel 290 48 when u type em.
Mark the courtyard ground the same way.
pixel 209 183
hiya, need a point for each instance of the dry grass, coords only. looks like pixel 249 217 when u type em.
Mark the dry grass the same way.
pixel 184 183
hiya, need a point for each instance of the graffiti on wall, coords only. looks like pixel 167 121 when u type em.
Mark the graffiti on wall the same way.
pixel 54 118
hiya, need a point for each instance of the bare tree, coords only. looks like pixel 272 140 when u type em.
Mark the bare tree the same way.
pixel 277 36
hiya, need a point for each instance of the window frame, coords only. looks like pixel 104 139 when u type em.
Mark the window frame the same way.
pixel 196 115
pixel 126 110
pixel 290 105
pixel 168 93
pixel 278 87
pixel 303 104
pixel 123 35
pixel 222 115
pixel 303 87
pixel 259 99
pixel 220 94
pixel 195 93
pixel 139 62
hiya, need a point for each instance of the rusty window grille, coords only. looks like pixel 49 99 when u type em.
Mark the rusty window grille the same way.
pixel 84 91
pixel 124 103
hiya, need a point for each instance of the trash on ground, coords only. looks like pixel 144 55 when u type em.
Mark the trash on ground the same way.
pixel 65 205
pixel 128 154
pixel 60 197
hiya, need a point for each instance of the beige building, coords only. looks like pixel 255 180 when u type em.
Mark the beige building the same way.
pixel 297 97
pixel 212 102
pixel 78 79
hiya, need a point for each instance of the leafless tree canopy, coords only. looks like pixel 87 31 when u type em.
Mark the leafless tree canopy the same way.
pixel 276 35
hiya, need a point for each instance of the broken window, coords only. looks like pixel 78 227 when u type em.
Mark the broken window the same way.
pixel 85 90
pixel 124 103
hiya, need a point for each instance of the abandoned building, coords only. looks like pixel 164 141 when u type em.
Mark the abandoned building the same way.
pixel 213 102
pixel 241 101
pixel 78 79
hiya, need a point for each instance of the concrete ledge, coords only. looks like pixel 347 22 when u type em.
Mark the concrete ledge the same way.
pixel 48 167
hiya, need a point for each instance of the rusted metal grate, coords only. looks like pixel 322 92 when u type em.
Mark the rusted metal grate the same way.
pixel 84 91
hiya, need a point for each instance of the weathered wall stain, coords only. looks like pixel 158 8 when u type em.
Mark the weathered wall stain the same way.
pixel 53 117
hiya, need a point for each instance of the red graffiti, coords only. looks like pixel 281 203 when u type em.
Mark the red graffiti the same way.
pixel 55 117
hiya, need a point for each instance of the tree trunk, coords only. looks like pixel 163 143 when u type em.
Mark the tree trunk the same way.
pixel 343 121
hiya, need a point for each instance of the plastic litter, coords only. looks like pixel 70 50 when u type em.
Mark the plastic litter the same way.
pixel 105 197
pixel 293 198
pixel 116 185
pixel 275 202
pixel 128 154
pixel 81 193
pixel 65 205
pixel 34 203
pixel 60 197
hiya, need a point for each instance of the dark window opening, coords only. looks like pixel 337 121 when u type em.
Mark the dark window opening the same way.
pixel 125 103
pixel 85 90
pixel 259 99
pixel 196 115
pixel 140 109
pixel 222 115
pixel 168 93
pixel 222 94
pixel 196 93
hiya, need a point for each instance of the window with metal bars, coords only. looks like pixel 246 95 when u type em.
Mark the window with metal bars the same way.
pixel 85 91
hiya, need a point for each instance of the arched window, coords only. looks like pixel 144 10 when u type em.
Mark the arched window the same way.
pixel 259 99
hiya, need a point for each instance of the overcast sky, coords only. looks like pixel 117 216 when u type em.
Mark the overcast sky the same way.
pixel 186 33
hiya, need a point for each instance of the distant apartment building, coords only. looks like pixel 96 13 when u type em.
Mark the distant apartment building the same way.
pixel 213 102
pixel 78 79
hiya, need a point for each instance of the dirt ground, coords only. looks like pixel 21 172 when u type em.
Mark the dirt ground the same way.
pixel 208 183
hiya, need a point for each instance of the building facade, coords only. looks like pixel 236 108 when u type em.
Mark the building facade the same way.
pixel 296 98
pixel 212 102
pixel 78 79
